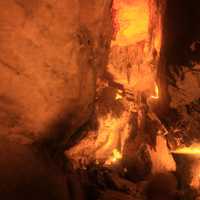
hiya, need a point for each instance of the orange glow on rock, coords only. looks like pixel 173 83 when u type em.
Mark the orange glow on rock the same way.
pixel 131 20
pixel 118 95
pixel 130 64
pixel 194 152
pixel 116 156
pixel 188 150
pixel 156 95
pixel 112 134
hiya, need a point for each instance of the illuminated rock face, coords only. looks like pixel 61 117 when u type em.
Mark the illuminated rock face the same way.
pixel 48 62
pixel 131 21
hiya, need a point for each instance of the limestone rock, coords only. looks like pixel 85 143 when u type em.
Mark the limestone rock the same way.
pixel 48 64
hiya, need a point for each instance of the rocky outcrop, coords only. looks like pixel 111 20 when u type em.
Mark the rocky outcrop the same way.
pixel 50 54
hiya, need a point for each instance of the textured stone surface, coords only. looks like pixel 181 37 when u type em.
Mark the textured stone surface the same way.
pixel 50 51
pixel 187 87
pixel 185 98
pixel 162 160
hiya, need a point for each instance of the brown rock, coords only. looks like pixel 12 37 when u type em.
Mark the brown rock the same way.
pixel 136 161
pixel 47 64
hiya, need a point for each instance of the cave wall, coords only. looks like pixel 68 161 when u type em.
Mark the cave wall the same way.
pixel 181 28
pixel 182 51
pixel 179 75
pixel 181 34
pixel 51 53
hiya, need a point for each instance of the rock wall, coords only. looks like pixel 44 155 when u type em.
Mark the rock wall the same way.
pixel 180 47
pixel 51 52
pixel 179 69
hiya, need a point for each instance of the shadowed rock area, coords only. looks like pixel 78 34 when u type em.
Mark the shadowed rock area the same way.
pixel 51 55
pixel 25 174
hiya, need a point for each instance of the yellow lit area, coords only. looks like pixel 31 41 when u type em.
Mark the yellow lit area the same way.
pixel 132 18
pixel 114 158
pixel 157 42
pixel 188 150
pixel 118 95
pixel 112 134
pixel 156 92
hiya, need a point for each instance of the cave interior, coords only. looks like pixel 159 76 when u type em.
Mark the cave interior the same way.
pixel 100 99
